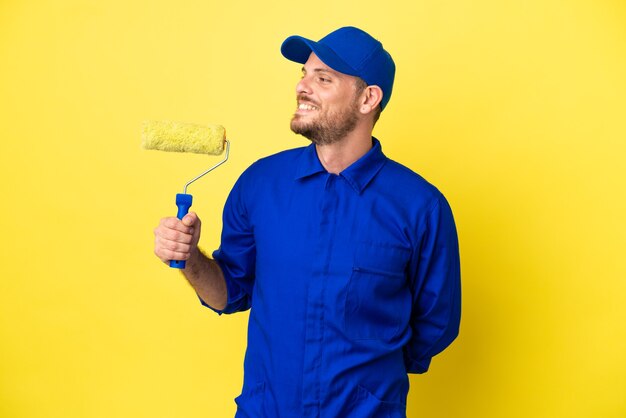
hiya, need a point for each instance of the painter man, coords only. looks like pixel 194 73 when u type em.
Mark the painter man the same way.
pixel 347 260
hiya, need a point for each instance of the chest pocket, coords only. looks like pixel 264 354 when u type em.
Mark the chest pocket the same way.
pixel 378 299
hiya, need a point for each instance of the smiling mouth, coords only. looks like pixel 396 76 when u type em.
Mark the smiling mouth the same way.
pixel 304 106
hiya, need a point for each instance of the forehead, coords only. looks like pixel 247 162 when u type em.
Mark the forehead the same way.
pixel 316 64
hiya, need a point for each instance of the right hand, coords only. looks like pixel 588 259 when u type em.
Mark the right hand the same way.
pixel 176 239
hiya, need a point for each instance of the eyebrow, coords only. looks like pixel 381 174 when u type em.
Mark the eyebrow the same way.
pixel 321 70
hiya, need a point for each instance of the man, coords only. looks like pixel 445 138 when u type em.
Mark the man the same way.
pixel 348 260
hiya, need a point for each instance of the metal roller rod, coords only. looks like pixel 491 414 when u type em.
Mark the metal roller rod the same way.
pixel 210 169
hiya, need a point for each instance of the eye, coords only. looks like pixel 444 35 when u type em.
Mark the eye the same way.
pixel 324 79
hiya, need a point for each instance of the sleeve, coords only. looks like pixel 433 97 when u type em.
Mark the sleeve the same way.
pixel 236 255
pixel 436 288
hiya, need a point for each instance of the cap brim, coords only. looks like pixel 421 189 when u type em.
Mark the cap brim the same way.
pixel 298 49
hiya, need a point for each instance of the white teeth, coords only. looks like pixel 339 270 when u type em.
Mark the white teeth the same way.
pixel 303 106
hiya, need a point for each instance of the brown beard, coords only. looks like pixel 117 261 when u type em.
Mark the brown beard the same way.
pixel 329 128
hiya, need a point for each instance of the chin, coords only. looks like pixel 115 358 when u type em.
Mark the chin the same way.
pixel 298 125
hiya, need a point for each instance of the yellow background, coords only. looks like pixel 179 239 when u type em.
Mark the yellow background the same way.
pixel 516 110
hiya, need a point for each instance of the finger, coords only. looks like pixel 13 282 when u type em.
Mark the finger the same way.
pixel 170 245
pixel 171 235
pixel 166 255
pixel 170 250
pixel 176 224
pixel 190 219
pixel 175 234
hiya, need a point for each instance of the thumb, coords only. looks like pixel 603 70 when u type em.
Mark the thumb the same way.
pixel 190 219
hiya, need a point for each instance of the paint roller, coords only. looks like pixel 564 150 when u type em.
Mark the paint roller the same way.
pixel 185 137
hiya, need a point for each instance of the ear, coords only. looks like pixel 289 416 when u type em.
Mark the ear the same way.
pixel 370 99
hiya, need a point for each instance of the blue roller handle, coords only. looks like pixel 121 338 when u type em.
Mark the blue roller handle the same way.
pixel 183 201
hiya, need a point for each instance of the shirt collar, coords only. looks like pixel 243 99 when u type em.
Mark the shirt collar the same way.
pixel 359 174
pixel 308 163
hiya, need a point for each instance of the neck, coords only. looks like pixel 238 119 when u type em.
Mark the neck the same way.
pixel 339 155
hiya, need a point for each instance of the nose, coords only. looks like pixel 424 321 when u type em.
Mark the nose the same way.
pixel 303 86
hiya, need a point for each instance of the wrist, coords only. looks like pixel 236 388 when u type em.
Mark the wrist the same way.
pixel 195 254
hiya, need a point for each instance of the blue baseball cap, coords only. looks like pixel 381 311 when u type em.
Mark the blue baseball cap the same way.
pixel 348 50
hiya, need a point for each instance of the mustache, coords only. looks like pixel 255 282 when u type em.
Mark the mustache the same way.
pixel 306 100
